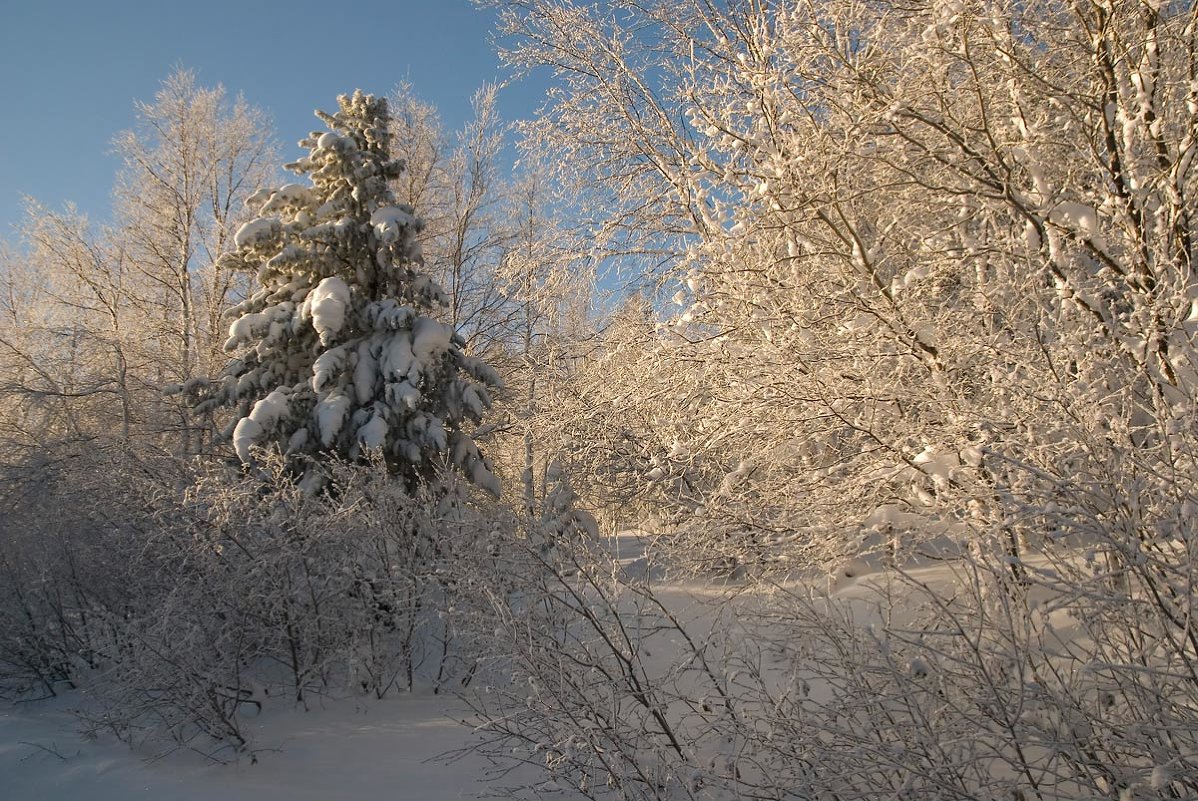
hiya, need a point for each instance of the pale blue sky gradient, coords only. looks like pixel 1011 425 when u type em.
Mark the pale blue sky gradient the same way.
pixel 70 72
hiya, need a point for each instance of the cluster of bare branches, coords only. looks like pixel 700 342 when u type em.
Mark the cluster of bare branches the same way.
pixel 933 297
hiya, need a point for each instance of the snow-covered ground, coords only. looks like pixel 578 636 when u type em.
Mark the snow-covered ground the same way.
pixel 345 751
pixel 365 749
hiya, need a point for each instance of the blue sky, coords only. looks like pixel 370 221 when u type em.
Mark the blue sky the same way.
pixel 70 72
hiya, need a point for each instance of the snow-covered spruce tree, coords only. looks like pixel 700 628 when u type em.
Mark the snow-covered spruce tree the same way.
pixel 339 350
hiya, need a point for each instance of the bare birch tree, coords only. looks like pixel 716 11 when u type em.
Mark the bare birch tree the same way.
pixel 191 161
pixel 924 255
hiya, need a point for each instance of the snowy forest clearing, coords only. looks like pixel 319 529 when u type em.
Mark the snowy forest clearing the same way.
pixel 402 748
pixel 902 277
pixel 771 655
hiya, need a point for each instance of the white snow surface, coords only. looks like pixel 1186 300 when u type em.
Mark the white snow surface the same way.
pixel 352 750
pixel 1078 216
pixel 390 222
pixel 403 393
pixel 484 478
pixel 365 372
pixel 330 416
pixel 255 231
pixel 355 748
pixel 262 418
pixel 328 140
pixel 397 357
pixel 430 339
pixel 246 327
pixel 374 433
pixel 327 365
pixel 288 195
pixel 327 305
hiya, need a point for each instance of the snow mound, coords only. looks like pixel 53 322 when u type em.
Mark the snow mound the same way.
pixel 296 195
pixel 326 306
pixel 256 232
pixel 328 141
pixel 330 416
pixel 390 222
pixel 262 418
pixel 430 339
pixel 374 433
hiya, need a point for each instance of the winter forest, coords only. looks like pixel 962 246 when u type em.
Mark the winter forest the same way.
pixel 810 413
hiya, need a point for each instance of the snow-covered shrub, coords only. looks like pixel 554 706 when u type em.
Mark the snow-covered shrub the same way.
pixel 581 681
pixel 951 682
pixel 268 592
pixel 560 517
pixel 74 513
